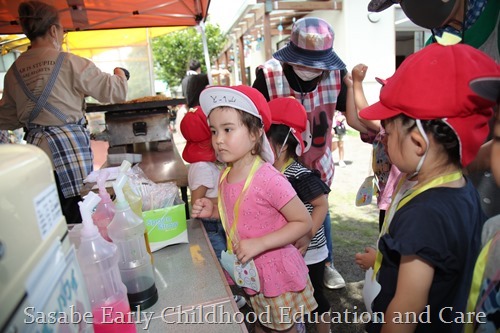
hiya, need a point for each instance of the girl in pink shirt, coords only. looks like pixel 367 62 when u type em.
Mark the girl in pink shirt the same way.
pixel 261 213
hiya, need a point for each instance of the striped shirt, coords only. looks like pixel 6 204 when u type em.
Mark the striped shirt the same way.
pixel 308 186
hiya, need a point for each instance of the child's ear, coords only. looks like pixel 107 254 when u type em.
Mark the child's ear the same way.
pixel 419 143
pixel 255 135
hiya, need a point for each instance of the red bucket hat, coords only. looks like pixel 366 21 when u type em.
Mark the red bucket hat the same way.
pixel 243 98
pixel 289 112
pixel 381 81
pixel 434 84
pixel 194 128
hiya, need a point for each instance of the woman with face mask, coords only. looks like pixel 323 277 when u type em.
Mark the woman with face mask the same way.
pixel 44 92
pixel 309 70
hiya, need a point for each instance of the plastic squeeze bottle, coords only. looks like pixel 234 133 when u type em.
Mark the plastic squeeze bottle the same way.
pixel 98 260
pixel 134 199
pixel 126 230
pixel 106 208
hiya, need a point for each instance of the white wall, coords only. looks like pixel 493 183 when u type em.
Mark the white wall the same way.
pixel 370 43
pixel 255 58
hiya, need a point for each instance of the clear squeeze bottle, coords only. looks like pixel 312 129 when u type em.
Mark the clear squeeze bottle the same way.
pixel 126 230
pixel 134 199
pixel 132 196
pixel 106 208
pixel 98 260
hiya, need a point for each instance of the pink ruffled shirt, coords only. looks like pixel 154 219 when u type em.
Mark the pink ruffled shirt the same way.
pixel 282 269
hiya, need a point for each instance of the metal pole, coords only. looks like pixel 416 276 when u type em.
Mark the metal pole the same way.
pixel 151 63
pixel 236 61
pixel 205 51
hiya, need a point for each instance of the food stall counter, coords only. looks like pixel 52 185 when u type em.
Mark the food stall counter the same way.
pixel 193 293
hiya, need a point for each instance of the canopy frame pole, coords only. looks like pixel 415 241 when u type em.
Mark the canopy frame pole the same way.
pixel 150 63
pixel 205 51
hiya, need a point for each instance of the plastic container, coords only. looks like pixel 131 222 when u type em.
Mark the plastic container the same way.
pixel 132 196
pixel 98 260
pixel 134 199
pixel 105 209
pixel 126 230
pixel 74 234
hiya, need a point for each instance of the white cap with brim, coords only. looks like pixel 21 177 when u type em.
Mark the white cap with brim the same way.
pixel 242 98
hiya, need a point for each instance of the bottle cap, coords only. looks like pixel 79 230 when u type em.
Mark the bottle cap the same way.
pixel 118 184
pixel 87 206
pixel 101 184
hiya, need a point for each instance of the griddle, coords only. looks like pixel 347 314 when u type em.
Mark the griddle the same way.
pixel 141 106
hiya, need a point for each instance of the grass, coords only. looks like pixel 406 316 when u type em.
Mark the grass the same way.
pixel 353 228
pixel 357 225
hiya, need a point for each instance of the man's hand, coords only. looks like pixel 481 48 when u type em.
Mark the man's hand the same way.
pixel 122 72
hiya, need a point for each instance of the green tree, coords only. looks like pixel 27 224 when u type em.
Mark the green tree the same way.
pixel 172 52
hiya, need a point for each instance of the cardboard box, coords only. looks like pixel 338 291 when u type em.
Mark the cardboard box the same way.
pixel 166 226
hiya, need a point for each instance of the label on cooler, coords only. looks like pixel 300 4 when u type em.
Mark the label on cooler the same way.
pixel 48 210
pixel 61 305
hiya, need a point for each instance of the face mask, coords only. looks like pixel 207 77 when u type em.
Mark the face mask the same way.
pixel 56 44
pixel 307 74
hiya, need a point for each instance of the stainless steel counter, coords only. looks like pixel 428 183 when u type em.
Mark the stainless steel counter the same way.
pixel 193 293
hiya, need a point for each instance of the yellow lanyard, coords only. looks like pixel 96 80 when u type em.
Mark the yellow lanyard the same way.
pixel 478 276
pixel 231 234
pixel 404 200
pixel 286 165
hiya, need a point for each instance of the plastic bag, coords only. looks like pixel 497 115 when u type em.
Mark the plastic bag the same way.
pixel 245 275
pixel 365 192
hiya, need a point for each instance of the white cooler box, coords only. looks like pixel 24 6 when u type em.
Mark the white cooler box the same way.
pixel 40 278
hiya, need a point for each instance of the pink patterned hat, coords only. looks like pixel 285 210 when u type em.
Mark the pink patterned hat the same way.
pixel 311 45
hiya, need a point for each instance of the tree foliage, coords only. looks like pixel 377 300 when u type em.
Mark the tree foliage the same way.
pixel 172 52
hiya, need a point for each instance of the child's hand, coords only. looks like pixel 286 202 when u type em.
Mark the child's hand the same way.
pixel 302 244
pixel 202 208
pixel 359 72
pixel 348 80
pixel 367 259
pixel 246 249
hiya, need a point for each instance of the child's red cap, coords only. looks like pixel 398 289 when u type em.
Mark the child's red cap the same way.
pixel 288 111
pixel 434 84
pixel 194 128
